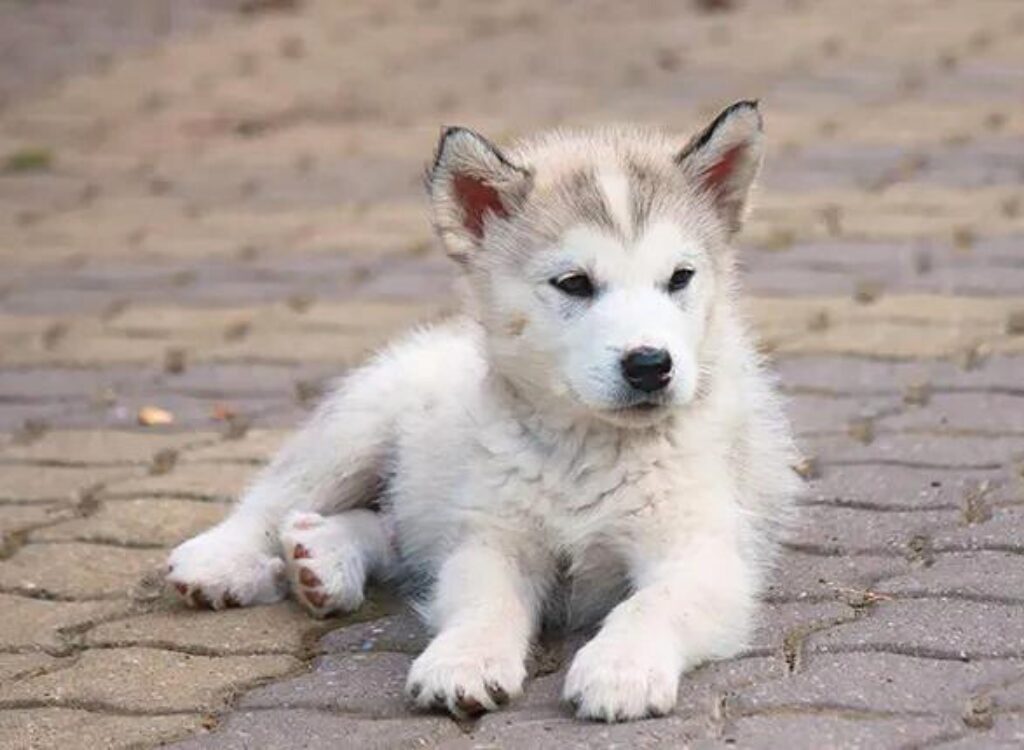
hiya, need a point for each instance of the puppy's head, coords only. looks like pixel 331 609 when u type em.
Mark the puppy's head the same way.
pixel 596 260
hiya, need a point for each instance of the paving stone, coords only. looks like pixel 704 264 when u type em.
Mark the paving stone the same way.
pixel 954 452
pixel 144 522
pixel 1009 696
pixel 234 379
pixel 388 317
pixel 316 730
pixel 811 414
pixel 1007 733
pixel 555 730
pixel 887 487
pixel 997 576
pixel 817 729
pixel 88 346
pixel 152 680
pixel 878 683
pixel 257 446
pixel 15 519
pixel 46 728
pixel 340 348
pixel 841 531
pixel 37 623
pixel 992 413
pixel 213 482
pixel 852 375
pixel 950 628
pixel 97 447
pixel 191 413
pixel 1001 531
pixel 779 623
pixel 403 632
pixel 803 576
pixel 369 684
pixel 835 267
pixel 15 667
pixel 278 628
pixel 76 570
pixel 891 260
pixel 24 483
pixel 14 417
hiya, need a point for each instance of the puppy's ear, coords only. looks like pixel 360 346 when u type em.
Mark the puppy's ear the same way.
pixel 471 184
pixel 725 158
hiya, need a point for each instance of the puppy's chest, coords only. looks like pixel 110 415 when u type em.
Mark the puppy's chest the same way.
pixel 582 486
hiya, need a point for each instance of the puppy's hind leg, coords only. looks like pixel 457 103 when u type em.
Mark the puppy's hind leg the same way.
pixel 333 463
pixel 330 558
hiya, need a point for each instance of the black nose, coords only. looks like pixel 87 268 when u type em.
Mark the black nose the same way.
pixel 647 369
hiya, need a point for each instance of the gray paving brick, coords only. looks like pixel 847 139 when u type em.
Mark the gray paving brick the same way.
pixel 318 730
pixel 947 628
pixel 369 683
pixel 47 384
pixel 892 487
pixel 555 730
pixel 1007 733
pixel 921 450
pixel 815 729
pixel 779 623
pixel 993 413
pixel 850 375
pixel 857 531
pixel 403 632
pixel 804 576
pixel 878 683
pixel 997 576
pixel 814 414
pixel 1000 532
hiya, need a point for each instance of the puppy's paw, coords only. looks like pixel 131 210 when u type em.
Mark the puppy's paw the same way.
pixel 465 678
pixel 326 570
pixel 615 679
pixel 227 566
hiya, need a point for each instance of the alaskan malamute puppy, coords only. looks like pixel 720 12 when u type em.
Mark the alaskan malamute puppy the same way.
pixel 594 441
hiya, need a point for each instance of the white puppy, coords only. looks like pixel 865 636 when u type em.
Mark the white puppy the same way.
pixel 595 438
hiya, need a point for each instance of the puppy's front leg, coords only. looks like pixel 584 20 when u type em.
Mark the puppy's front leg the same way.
pixel 486 608
pixel 689 606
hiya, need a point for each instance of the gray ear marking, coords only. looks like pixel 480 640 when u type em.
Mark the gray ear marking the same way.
pixel 470 183
pixel 725 158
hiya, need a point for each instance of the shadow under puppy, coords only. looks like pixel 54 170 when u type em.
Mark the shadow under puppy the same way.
pixel 598 417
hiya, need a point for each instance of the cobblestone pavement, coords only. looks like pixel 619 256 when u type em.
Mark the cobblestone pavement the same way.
pixel 210 207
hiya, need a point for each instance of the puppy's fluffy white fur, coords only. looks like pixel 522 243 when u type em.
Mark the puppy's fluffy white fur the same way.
pixel 505 462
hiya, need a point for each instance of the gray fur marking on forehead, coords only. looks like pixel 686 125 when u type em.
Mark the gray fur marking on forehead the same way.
pixel 580 196
pixel 646 185
pixel 585 200
pixel 587 176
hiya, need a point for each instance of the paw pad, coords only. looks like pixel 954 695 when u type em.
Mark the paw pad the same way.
pixel 316 598
pixel 308 578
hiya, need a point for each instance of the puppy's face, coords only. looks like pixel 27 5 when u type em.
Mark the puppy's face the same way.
pixel 595 261
pixel 611 324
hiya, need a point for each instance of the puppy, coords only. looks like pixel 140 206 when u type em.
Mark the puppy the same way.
pixel 595 440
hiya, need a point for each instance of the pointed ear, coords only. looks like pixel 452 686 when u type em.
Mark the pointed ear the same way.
pixel 725 158
pixel 472 183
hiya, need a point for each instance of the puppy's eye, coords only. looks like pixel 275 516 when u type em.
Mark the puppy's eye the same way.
pixel 574 283
pixel 680 279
